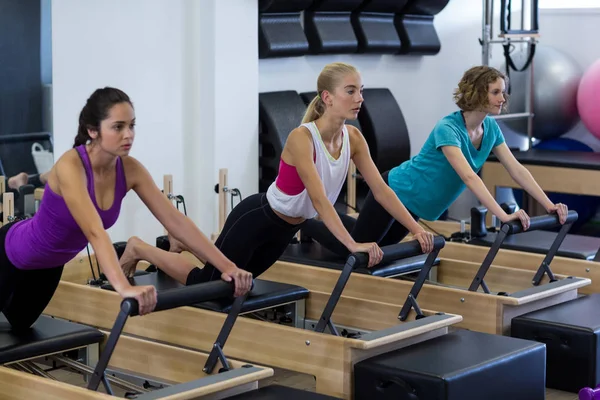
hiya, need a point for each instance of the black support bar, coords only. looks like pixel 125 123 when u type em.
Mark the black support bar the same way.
pixel 166 300
pixel 361 260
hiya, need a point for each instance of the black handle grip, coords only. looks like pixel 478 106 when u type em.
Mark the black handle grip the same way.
pixel 540 222
pixel 398 251
pixel 184 296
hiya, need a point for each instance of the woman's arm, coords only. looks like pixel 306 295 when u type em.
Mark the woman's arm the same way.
pixel 523 177
pixel 457 160
pixel 181 227
pixel 383 194
pixel 71 181
pixel 298 152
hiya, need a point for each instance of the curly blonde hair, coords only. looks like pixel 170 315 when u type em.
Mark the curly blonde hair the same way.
pixel 472 91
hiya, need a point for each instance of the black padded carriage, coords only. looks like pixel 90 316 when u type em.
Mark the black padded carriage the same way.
pixel 46 336
pixel 573 246
pixel 533 241
pixel 264 294
pixel 318 256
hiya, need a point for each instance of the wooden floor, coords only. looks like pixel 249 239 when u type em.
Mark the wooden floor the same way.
pixel 281 377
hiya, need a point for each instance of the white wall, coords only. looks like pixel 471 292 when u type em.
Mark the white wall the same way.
pixel 236 95
pixel 170 56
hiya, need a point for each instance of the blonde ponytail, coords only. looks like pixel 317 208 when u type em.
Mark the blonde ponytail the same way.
pixel 314 110
pixel 329 78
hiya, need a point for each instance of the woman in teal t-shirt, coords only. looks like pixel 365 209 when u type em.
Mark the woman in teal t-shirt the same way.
pixel 449 161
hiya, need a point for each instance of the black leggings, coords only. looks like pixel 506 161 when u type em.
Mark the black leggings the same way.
pixel 24 294
pixel 253 238
pixel 374 224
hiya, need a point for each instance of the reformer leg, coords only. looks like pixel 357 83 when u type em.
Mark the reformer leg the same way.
pixel 411 300
pixel 217 351
pixel 325 320
pixel 115 333
pixel 545 266
pixel 487 262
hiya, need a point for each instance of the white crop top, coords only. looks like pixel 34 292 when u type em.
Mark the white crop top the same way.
pixel 332 172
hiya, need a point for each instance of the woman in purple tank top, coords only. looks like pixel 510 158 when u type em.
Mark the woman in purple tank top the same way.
pixel 82 199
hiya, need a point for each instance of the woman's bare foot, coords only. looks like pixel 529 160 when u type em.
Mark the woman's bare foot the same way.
pixel 130 258
pixel 18 180
pixel 175 246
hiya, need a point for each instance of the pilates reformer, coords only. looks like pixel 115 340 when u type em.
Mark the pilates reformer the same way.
pixel 486 295
pixel 573 255
pixel 53 339
pixel 538 241
pixel 445 283
pixel 327 355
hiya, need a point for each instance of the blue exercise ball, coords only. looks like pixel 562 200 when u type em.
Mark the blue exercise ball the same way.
pixel 586 206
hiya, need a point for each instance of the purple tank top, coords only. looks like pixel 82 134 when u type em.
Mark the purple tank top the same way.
pixel 51 237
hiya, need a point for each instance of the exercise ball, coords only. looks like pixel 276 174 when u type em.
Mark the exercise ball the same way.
pixel 556 77
pixel 586 206
pixel 588 99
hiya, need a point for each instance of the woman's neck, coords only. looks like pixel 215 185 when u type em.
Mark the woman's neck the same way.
pixel 329 127
pixel 101 161
pixel 473 119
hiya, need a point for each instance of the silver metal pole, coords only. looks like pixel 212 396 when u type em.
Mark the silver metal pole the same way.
pixel 491 11
pixel 485 34
pixel 529 101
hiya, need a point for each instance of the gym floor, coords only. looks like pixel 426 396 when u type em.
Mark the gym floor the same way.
pixel 281 377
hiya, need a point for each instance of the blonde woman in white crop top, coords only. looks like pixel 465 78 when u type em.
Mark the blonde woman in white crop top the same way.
pixel 312 171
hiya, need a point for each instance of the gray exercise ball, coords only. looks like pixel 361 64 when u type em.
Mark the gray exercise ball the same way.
pixel 555 82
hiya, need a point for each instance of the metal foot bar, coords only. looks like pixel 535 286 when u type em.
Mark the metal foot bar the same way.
pixel 88 370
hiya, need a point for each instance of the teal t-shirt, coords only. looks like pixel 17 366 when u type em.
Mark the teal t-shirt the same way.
pixel 427 184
